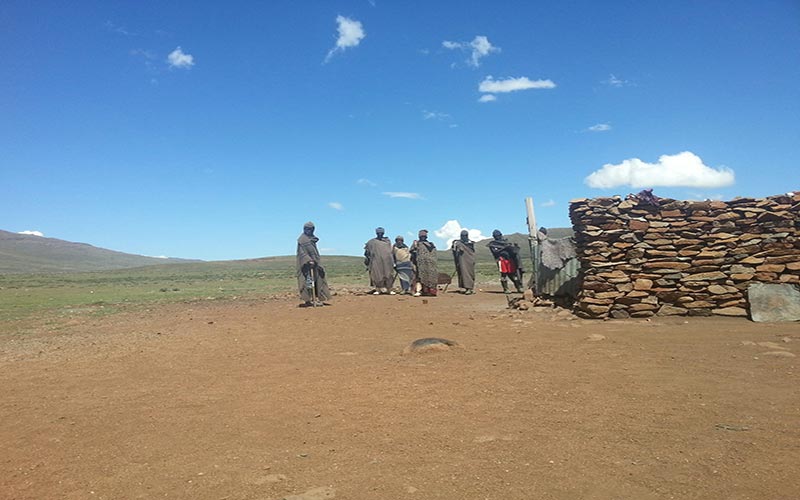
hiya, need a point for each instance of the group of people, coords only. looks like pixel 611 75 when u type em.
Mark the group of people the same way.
pixel 415 266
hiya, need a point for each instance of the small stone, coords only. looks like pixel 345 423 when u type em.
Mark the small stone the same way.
pixel 321 493
pixel 595 337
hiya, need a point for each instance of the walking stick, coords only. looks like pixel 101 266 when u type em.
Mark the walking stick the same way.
pixel 451 280
pixel 455 261
pixel 313 286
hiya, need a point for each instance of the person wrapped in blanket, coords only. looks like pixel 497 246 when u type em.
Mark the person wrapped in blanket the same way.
pixel 506 254
pixel 464 259
pixel 311 280
pixel 423 255
pixel 402 264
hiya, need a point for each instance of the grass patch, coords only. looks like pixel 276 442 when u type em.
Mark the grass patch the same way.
pixel 23 296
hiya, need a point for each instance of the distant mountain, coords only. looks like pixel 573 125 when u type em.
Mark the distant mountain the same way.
pixel 23 253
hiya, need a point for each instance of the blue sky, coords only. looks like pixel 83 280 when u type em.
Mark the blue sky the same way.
pixel 214 130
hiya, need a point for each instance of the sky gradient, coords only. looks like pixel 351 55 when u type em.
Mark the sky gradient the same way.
pixel 214 130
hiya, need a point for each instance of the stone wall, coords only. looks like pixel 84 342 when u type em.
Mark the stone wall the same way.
pixel 640 258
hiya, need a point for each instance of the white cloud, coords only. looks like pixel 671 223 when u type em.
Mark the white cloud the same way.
pixel 600 127
pixel 32 233
pixel 451 231
pixel 365 182
pixel 490 85
pixel 351 32
pixel 179 59
pixel 121 30
pixel 480 47
pixel 548 203
pixel 402 194
pixel 613 81
pixel 336 205
pixel 704 197
pixel 683 169
pixel 434 115
pixel 487 98
pixel 159 256
pixel 146 54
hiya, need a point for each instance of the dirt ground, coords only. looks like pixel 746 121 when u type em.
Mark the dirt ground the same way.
pixel 264 400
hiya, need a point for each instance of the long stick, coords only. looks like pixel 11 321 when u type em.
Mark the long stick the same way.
pixel 533 242
pixel 313 286
pixel 451 279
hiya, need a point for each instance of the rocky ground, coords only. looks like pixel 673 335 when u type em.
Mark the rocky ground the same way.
pixel 264 400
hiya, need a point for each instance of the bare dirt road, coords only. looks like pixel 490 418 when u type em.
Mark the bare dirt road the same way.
pixel 263 400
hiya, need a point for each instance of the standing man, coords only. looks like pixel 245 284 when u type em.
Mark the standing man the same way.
pixel 423 255
pixel 402 263
pixel 380 262
pixel 310 274
pixel 507 256
pixel 464 257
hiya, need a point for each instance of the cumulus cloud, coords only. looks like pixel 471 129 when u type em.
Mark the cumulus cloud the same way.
pixel 479 47
pixel 365 182
pixel 336 205
pixel 179 59
pixel 403 194
pixel 600 127
pixel 487 98
pixel 451 231
pixel 683 169
pixel 490 85
pixel 351 32
pixel 32 233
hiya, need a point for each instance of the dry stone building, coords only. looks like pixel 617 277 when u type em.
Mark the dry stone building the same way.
pixel 642 256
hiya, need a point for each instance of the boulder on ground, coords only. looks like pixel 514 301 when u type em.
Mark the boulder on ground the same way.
pixel 773 302
pixel 430 344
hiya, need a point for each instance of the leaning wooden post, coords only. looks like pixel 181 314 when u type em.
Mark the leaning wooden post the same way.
pixel 533 243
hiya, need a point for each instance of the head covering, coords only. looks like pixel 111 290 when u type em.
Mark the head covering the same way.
pixel 464 232
pixel 497 232
pixel 308 225
pixel 399 238
pixel 380 230
pixel 423 231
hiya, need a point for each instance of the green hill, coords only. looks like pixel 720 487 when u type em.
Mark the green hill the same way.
pixel 24 253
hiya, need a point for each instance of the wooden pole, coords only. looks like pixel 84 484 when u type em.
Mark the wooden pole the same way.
pixel 533 242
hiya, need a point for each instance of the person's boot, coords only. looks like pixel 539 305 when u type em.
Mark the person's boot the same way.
pixel 504 282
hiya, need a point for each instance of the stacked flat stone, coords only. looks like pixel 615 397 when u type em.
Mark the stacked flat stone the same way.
pixel 682 257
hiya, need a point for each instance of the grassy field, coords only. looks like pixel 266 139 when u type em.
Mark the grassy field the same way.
pixel 105 292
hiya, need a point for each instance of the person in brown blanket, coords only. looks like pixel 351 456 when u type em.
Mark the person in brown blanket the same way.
pixel 380 262
pixel 423 255
pixel 464 258
pixel 310 273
